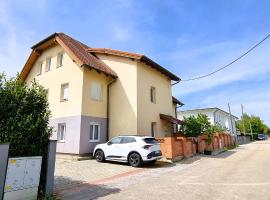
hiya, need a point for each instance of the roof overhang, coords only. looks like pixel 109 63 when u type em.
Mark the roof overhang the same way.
pixel 204 109
pixel 75 49
pixel 170 119
pixel 176 101
pixel 136 56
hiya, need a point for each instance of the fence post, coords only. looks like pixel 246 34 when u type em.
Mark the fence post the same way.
pixel 3 167
pixel 50 168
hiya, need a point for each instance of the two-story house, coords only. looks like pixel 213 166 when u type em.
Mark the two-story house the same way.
pixel 95 94
pixel 215 115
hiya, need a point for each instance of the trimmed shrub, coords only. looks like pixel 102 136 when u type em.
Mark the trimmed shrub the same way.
pixel 24 118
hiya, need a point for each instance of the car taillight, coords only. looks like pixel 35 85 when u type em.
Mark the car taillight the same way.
pixel 147 146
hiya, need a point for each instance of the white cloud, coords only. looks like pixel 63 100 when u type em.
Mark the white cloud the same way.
pixel 214 91
pixel 251 67
pixel 120 33
pixel 15 38
pixel 255 102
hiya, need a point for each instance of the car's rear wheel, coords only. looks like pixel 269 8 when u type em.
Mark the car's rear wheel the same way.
pixel 135 160
pixel 99 156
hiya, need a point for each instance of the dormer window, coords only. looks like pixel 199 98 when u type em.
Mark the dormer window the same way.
pixel 48 64
pixel 60 57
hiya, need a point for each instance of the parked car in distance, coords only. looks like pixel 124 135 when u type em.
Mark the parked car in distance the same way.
pixel 262 137
pixel 130 149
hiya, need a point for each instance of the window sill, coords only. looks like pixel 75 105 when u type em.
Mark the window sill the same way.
pixel 59 66
pixel 63 100
pixel 96 100
pixel 61 141
pixel 92 141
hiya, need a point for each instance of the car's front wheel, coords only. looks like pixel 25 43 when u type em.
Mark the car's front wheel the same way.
pixel 134 159
pixel 99 156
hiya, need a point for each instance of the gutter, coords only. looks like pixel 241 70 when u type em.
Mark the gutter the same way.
pixel 176 82
pixel 108 107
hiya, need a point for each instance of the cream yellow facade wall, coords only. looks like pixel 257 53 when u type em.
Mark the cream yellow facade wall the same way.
pixel 92 107
pixel 174 106
pixel 148 112
pixel 123 96
pixel 68 73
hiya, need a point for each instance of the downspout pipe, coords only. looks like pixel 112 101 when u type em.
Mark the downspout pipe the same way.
pixel 108 107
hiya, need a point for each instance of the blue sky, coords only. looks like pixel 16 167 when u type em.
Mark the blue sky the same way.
pixel 189 38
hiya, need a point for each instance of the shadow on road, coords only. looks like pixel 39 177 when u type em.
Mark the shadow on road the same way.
pixel 158 164
pixel 191 160
pixel 76 190
pixel 221 155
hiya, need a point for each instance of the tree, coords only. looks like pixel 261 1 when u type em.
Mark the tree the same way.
pixel 195 126
pixel 253 122
pixel 24 119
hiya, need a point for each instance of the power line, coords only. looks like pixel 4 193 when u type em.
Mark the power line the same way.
pixel 229 64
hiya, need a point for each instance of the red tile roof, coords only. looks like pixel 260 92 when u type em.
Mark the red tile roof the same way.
pixel 80 50
pixel 84 55
pixel 135 56
pixel 77 51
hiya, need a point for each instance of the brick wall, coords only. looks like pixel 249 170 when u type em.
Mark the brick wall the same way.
pixel 179 146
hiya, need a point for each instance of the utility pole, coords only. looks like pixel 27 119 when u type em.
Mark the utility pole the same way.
pixel 242 108
pixel 232 126
pixel 229 107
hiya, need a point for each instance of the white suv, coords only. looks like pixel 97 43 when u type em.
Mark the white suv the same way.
pixel 131 149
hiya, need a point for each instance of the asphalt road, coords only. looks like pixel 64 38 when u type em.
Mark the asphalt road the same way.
pixel 242 173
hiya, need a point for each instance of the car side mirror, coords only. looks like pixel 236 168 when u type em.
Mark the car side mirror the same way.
pixel 109 143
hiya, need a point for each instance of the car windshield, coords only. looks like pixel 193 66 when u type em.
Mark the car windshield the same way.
pixel 150 140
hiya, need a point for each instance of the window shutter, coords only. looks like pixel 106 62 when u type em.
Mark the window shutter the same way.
pixel 96 91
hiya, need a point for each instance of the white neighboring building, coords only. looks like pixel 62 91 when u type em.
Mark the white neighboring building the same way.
pixel 215 115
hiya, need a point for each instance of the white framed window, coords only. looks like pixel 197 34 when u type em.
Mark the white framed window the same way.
pixel 94 135
pixel 60 57
pixel 96 91
pixel 48 64
pixel 39 70
pixel 64 92
pixel 154 129
pixel 153 94
pixel 61 133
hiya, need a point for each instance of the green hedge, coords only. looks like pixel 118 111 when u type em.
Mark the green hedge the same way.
pixel 24 118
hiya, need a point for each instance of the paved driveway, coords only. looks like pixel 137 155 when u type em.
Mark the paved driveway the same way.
pixel 71 173
pixel 242 173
